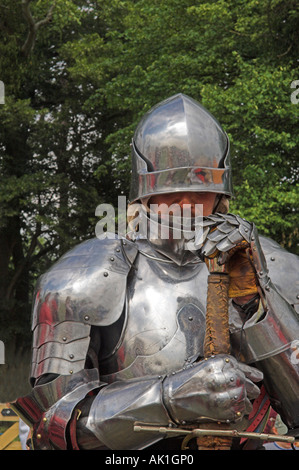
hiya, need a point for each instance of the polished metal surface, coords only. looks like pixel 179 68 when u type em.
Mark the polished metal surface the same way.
pixel 60 348
pixel 283 269
pixel 77 292
pixel 172 237
pixel 271 333
pixel 119 405
pixel 281 378
pixel 81 285
pixel 271 341
pixel 140 306
pixel 155 328
pixel 226 231
pixel 179 146
pixel 270 338
pixel 49 407
pixel 218 389
pixel 165 320
pixel 194 393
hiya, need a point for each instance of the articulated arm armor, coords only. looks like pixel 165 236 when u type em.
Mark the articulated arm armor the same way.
pixel 118 328
pixel 73 405
pixel 269 338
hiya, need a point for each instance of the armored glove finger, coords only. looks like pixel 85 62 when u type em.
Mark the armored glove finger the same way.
pixel 224 234
pixel 218 388
pixel 228 237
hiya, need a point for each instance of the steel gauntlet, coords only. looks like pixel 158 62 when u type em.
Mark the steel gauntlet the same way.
pixel 215 389
pixel 218 388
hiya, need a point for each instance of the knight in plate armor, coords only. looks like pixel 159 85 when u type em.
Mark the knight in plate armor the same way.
pixel 119 321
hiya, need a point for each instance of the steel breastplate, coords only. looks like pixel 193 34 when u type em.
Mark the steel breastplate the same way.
pixel 163 324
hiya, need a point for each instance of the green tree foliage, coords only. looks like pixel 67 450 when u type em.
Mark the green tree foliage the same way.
pixel 79 75
pixel 239 59
pixel 51 146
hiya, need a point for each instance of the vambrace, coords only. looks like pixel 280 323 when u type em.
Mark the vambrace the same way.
pixel 49 407
pixel 119 405
pixel 190 393
pixel 270 339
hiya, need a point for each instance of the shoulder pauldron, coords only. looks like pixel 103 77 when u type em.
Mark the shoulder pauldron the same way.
pixel 86 287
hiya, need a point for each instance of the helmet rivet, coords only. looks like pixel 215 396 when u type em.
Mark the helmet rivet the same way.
pixel 105 274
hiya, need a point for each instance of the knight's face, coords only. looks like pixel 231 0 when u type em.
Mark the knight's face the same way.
pixel 200 203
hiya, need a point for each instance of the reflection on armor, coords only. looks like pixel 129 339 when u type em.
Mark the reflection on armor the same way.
pixel 156 327
pixel 179 146
pixel 118 325
pixel 76 293
pixel 169 334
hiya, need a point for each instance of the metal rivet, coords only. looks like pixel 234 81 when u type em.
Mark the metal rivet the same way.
pixel 118 250
pixel 232 379
pixel 71 356
pixel 267 288
pixel 239 413
pixel 111 259
pixel 190 318
pixel 261 273
pixel 64 338
pixel 236 397
pixel 105 274
pixel 272 258
pixel 86 317
pixel 297 296
pixel 38 436
pixel 71 371
pixel 45 420
pixel 226 360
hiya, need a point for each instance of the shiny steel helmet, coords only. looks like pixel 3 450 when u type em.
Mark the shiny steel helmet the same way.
pixel 179 146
